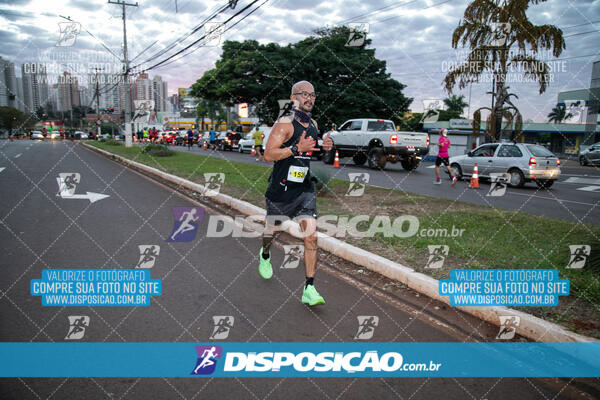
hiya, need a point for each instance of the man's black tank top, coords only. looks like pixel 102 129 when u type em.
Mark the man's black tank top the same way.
pixel 291 176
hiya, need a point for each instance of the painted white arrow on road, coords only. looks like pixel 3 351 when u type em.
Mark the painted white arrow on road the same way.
pixel 91 196
pixel 2 169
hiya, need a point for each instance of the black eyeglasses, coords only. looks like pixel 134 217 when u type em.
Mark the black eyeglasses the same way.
pixel 306 94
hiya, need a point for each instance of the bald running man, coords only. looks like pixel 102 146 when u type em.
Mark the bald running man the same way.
pixel 290 193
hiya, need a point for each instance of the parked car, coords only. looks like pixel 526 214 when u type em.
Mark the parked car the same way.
pixel 377 141
pixel 228 140
pixel 590 155
pixel 80 135
pixel 522 161
pixel 167 137
pixel 36 135
pixel 247 142
pixel 180 138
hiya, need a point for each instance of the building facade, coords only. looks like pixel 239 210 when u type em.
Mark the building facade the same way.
pixel 8 84
pixel 35 86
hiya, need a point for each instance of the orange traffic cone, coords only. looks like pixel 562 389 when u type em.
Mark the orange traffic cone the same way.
pixel 253 152
pixel 336 160
pixel 474 179
pixel 204 145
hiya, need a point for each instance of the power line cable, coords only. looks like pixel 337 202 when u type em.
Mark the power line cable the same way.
pixel 202 37
pixel 185 36
pixel 230 27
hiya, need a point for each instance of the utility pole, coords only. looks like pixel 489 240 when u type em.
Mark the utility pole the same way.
pixel 127 106
pixel 97 96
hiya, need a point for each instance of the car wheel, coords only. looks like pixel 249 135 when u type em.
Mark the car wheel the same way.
pixel 328 156
pixel 516 178
pixel 457 171
pixel 544 183
pixel 240 149
pixel 583 160
pixel 376 158
pixel 359 158
pixel 409 165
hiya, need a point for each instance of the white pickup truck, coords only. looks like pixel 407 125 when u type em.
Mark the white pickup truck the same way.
pixel 377 141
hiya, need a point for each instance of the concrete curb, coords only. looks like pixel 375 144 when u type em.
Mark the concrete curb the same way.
pixel 530 326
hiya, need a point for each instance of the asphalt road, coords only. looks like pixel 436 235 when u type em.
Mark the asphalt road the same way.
pixel 202 278
pixel 574 197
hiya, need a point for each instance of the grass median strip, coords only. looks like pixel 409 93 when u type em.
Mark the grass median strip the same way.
pixel 476 236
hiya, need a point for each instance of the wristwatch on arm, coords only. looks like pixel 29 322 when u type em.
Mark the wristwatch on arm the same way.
pixel 294 150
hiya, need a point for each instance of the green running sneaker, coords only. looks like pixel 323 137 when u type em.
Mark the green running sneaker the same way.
pixel 311 297
pixel 264 268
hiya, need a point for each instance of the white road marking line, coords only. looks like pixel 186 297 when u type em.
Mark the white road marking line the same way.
pixel 2 169
pixel 18 155
pixel 589 188
pixel 589 181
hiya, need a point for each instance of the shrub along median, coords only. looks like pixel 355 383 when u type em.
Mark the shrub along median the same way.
pixel 476 236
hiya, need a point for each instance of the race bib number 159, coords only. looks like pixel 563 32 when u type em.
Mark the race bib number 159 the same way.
pixel 297 174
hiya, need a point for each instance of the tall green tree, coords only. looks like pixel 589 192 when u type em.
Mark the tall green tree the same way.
pixel 411 122
pixel 350 82
pixel 11 118
pixel 201 112
pixel 516 47
pixel 455 104
pixel 559 114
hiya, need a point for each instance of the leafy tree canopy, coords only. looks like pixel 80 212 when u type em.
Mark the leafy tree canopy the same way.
pixel 350 81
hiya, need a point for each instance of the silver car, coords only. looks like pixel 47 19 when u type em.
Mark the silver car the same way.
pixel 523 162
pixel 246 143
pixel 590 155
pixel 81 134
pixel 37 135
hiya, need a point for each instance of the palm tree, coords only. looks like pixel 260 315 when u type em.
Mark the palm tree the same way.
pixel 490 28
pixel 559 114
pixel 455 104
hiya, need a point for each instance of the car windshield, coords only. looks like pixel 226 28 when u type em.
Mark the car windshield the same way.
pixel 539 151
pixel 380 126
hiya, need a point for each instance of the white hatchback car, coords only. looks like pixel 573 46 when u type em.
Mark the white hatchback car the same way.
pixel 247 142
pixel 524 162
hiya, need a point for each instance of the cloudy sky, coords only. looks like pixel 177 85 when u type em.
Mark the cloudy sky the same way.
pixel 413 36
